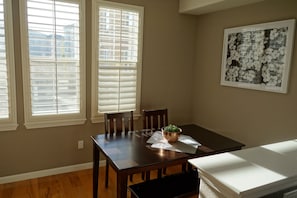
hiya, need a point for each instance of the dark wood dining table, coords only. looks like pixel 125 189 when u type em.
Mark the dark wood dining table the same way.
pixel 129 153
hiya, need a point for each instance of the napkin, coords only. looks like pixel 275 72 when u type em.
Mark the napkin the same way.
pixel 184 144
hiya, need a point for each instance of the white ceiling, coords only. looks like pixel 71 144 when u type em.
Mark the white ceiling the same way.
pixel 197 7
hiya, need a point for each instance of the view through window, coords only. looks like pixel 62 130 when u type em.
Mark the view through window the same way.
pixel 118 62
pixel 54 57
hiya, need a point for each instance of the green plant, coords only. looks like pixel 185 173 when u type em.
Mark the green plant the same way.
pixel 171 128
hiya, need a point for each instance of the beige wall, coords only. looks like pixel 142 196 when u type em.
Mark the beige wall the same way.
pixel 192 92
pixel 168 58
pixel 251 117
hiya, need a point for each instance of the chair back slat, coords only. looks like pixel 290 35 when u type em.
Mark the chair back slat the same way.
pixel 155 119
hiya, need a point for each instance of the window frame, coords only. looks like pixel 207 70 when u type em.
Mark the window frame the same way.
pixel 56 119
pixel 10 123
pixel 97 117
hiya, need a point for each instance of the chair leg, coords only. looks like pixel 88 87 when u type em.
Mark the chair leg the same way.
pixel 190 167
pixel 184 167
pixel 106 174
pixel 159 173
pixel 131 178
pixel 147 175
pixel 164 171
pixel 143 175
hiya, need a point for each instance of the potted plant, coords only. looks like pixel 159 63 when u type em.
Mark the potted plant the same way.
pixel 171 133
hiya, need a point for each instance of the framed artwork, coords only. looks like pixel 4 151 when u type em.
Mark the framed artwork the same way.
pixel 258 56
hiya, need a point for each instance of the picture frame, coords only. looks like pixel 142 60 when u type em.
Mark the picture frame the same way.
pixel 258 56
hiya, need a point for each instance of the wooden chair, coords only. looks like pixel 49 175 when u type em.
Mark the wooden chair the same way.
pixel 178 185
pixel 155 119
pixel 116 124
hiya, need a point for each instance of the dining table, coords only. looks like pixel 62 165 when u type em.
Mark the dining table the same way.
pixel 132 152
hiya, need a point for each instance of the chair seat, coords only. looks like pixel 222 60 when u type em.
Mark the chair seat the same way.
pixel 177 185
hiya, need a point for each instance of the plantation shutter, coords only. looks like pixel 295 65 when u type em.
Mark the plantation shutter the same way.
pixel 118 42
pixel 8 114
pixel 4 85
pixel 54 56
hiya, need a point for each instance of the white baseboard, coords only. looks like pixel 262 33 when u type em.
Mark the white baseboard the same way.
pixel 48 172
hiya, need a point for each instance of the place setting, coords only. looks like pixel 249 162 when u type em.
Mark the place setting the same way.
pixel 171 138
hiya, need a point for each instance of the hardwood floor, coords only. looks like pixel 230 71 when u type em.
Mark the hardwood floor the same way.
pixel 69 185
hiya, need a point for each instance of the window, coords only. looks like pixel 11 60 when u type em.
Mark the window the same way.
pixel 8 117
pixel 117 63
pixel 53 62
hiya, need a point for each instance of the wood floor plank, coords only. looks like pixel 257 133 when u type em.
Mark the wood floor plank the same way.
pixel 68 185
pixel 6 190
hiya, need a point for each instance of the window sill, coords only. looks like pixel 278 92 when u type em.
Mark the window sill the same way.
pixel 8 126
pixel 54 123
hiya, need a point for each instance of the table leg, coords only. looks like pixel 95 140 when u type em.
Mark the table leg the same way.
pixel 122 185
pixel 96 158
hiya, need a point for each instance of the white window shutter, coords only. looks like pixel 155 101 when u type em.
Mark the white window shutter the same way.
pixel 4 78
pixel 55 63
pixel 8 118
pixel 118 58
